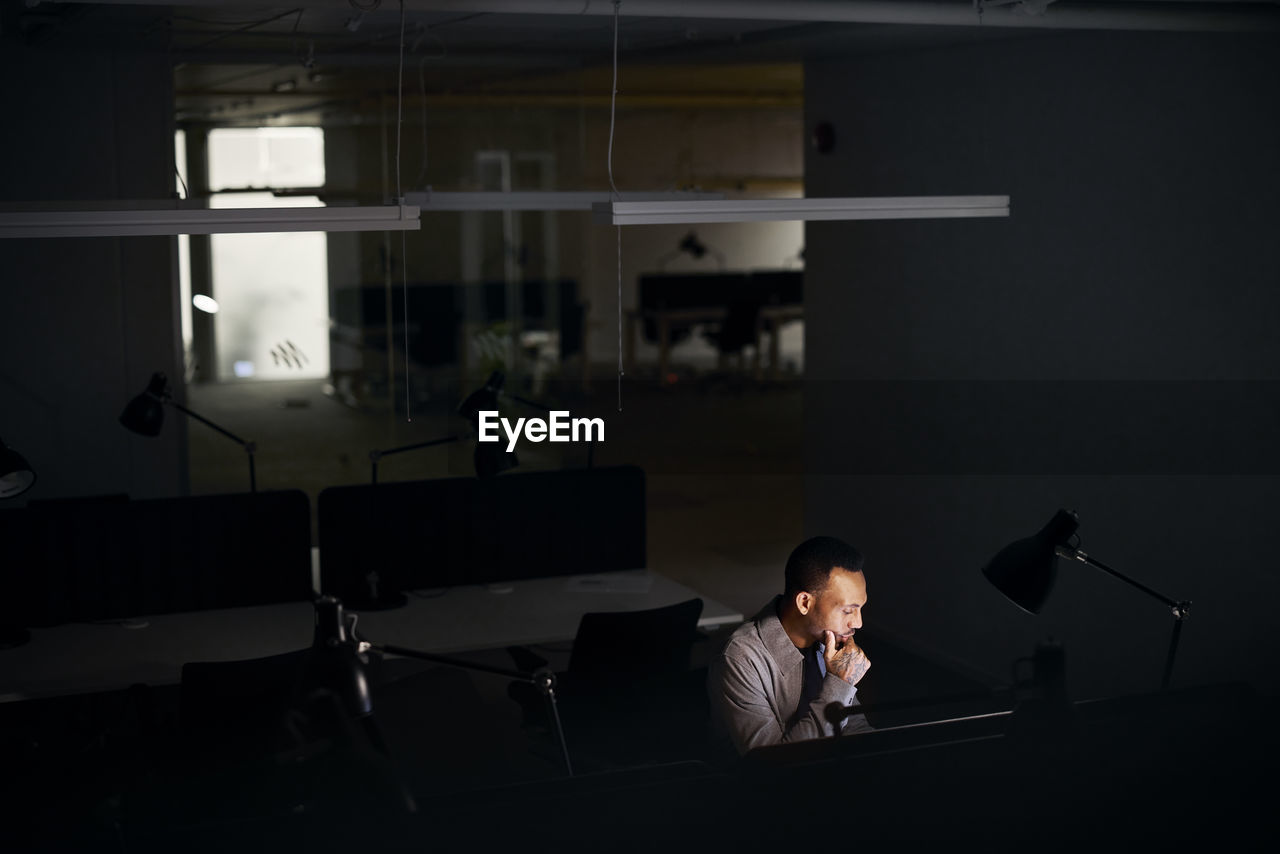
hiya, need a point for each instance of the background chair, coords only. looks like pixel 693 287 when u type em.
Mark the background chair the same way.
pixel 262 738
pixel 236 710
pixel 614 646
pixel 628 696
pixel 739 330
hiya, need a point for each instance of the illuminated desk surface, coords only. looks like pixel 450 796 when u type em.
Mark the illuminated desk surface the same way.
pixel 88 657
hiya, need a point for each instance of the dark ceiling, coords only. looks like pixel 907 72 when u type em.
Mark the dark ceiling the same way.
pixel 330 61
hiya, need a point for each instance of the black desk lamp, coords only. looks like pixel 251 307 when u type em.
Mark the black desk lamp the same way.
pixel 16 475
pixel 694 248
pixel 331 719
pixel 144 415
pixel 490 458
pixel 1024 571
pixel 542 679
pixel 339 650
pixel 380 597
pixel 487 396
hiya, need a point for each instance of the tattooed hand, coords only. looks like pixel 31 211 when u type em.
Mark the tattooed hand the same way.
pixel 846 660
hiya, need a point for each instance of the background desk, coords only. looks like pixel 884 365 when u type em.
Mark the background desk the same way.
pixel 89 657
pixel 773 315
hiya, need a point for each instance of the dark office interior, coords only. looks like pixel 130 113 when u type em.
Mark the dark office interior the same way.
pixel 930 390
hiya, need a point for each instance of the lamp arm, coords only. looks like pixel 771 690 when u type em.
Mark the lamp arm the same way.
pixel 377 455
pixel 248 446
pixel 1180 608
pixel 542 679
pixel 532 678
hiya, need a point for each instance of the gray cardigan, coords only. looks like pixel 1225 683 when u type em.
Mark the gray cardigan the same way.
pixel 755 683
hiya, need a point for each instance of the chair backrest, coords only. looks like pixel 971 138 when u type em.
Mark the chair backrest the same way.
pixel 239 706
pixel 635 644
pixel 738 329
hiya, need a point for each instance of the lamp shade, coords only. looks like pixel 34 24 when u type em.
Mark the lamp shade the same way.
pixel 144 414
pixel 693 246
pixel 1024 570
pixel 484 398
pixel 16 475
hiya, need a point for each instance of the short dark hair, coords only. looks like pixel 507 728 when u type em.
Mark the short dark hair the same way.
pixel 809 567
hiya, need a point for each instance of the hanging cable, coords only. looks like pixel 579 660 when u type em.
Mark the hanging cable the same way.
pixel 613 97
pixel 404 267
pixel 421 183
pixel 248 26
pixel 613 109
pixel 399 103
pixel 294 39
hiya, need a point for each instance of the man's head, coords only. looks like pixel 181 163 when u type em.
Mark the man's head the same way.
pixel 826 589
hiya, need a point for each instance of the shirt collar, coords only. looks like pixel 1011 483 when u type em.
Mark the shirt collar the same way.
pixel 775 638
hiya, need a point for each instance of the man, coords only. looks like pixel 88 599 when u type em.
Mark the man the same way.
pixel 779 672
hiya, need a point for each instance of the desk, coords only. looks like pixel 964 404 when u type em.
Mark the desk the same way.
pixel 90 657
pixel 775 314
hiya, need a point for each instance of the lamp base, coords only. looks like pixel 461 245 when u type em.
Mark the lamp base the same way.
pixel 11 636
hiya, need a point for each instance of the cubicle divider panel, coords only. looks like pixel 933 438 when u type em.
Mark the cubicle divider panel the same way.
pixel 225 551
pixel 451 531
pixel 65 560
pixel 111 558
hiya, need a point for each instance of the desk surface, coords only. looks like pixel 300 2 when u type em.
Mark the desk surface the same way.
pixel 88 657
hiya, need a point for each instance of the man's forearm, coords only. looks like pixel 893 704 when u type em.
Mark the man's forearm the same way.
pixel 810 724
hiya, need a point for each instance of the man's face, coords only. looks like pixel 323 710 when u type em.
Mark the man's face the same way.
pixel 838 607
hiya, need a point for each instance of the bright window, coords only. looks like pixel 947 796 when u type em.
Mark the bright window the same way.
pixel 272 290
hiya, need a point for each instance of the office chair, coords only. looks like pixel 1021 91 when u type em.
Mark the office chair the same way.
pixel 625 645
pixel 628 695
pixel 738 330
pixel 234 710
pixel 258 739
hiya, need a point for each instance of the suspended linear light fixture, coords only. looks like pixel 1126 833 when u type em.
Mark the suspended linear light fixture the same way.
pixel 567 200
pixel 774 210
pixel 174 220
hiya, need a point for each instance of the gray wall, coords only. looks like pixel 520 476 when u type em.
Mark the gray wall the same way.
pixel 1109 348
pixel 87 320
